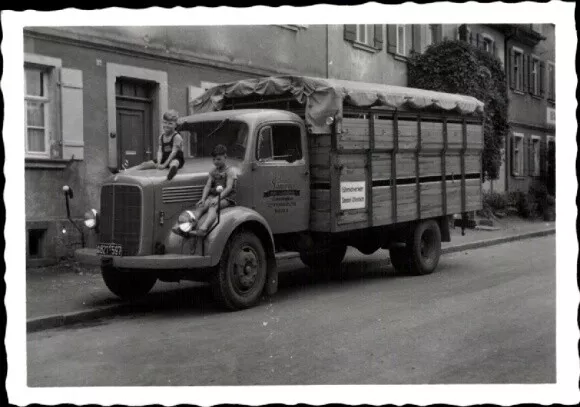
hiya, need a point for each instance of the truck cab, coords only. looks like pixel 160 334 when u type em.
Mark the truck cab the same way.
pixel 138 220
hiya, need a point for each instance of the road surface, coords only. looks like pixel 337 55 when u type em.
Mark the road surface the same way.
pixel 485 316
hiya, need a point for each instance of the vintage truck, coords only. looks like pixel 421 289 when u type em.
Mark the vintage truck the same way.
pixel 322 164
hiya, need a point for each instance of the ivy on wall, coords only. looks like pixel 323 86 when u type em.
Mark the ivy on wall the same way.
pixel 458 67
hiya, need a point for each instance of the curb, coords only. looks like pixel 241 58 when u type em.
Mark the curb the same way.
pixel 55 321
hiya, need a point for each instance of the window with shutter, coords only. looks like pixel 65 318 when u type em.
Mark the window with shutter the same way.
pixel 535 156
pixel 378 28
pixel 517 69
pixel 525 72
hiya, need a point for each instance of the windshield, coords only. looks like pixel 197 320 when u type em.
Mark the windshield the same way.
pixel 204 136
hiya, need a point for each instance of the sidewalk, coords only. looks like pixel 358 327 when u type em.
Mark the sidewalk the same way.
pixel 69 293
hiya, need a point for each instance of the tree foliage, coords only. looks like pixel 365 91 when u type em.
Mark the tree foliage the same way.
pixel 458 67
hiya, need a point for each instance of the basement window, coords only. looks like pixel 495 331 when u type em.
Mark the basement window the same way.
pixel 36 243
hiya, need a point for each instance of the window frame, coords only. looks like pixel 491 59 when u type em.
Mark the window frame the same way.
pixel 519 78
pixel 272 159
pixel 535 74
pixel 369 37
pixel 51 71
pixel 518 146
pixel 487 40
pixel 404 50
pixel 46 105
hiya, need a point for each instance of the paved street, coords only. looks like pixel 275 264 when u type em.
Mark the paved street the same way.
pixel 485 316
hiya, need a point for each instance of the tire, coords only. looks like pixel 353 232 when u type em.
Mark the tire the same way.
pixel 327 259
pixel 424 248
pixel 241 273
pixel 400 259
pixel 127 285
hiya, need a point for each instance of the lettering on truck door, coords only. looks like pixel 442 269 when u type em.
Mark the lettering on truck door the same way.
pixel 281 177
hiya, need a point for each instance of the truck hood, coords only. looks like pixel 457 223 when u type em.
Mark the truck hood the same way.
pixel 194 171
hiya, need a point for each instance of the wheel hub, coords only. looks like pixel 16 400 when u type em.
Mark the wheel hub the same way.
pixel 245 268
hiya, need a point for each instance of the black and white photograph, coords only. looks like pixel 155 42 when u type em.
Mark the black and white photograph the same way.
pixel 359 207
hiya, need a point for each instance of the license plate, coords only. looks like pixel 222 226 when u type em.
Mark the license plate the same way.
pixel 109 249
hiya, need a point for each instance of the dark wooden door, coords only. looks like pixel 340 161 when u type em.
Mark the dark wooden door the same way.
pixel 134 122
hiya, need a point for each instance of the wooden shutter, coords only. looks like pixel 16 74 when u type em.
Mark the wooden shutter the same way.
pixel 192 93
pixel 511 60
pixel 462 32
pixel 437 33
pixel 71 99
pixel 379 36
pixel 392 38
pixel 525 72
pixel 542 74
pixel 513 154
pixel 416 30
pixel 477 41
pixel 350 33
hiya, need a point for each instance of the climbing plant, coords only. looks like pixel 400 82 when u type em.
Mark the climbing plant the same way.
pixel 458 67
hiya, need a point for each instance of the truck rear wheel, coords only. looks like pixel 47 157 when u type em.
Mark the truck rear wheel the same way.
pixel 241 274
pixel 127 285
pixel 424 248
pixel 325 259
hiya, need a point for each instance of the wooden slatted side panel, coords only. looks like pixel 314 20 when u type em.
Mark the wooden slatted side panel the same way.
pixel 381 166
pixel 382 202
pixel 453 164
pixel 431 135
pixel 354 135
pixel 473 194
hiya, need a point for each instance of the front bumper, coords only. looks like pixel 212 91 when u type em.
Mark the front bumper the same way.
pixel 151 262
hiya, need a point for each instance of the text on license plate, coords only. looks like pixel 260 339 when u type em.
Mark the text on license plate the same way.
pixel 109 249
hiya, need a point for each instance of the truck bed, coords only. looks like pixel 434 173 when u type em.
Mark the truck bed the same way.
pixel 389 167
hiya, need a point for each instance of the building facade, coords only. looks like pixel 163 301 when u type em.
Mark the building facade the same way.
pixel 94 95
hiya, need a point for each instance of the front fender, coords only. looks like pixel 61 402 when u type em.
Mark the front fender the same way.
pixel 230 219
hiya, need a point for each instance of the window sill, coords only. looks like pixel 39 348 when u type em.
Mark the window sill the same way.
pixel 45 163
pixel 538 97
pixel 519 92
pixel 400 57
pixel 364 47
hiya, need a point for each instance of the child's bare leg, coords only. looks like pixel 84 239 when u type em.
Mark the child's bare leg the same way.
pixel 212 216
pixel 147 165
pixel 173 167
pixel 200 210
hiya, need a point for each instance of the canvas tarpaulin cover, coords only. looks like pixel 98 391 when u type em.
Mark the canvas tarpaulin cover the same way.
pixel 323 98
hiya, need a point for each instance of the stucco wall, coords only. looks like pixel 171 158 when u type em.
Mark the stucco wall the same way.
pixel 349 62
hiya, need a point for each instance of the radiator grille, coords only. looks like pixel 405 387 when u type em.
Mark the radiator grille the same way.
pixel 182 194
pixel 121 217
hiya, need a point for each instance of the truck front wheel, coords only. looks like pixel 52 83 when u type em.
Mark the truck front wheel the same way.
pixel 241 274
pixel 424 248
pixel 127 285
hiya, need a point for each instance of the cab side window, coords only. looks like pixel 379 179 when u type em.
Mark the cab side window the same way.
pixel 280 142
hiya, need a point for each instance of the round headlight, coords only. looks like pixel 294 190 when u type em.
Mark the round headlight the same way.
pixel 91 218
pixel 186 221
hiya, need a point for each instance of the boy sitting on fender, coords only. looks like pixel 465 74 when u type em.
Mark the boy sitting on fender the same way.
pixel 170 151
pixel 221 178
